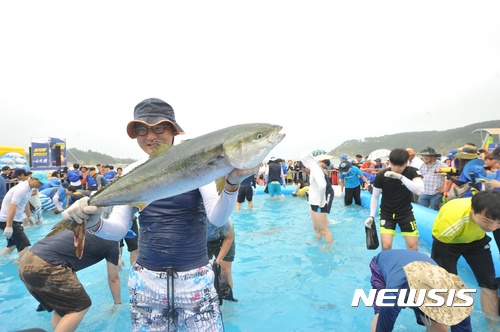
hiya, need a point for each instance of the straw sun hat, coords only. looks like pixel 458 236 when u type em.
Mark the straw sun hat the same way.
pixel 424 275
pixel 467 152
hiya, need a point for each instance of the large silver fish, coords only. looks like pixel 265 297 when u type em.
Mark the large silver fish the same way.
pixel 175 170
pixel 191 164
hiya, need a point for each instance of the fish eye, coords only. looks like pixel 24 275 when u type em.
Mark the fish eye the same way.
pixel 259 136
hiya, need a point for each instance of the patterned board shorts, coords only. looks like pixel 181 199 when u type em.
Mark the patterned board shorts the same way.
pixel 56 287
pixel 174 301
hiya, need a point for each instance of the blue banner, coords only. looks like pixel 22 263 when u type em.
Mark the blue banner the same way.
pixel 40 151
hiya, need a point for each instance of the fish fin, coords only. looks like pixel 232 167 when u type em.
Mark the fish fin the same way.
pixel 79 238
pixel 220 183
pixel 59 227
pixel 53 231
pixel 216 161
pixel 80 242
pixel 159 149
pixel 140 206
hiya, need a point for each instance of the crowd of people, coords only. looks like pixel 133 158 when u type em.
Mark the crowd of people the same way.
pixel 172 281
pixel 464 189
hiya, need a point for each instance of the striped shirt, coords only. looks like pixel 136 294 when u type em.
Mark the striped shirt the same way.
pixel 432 178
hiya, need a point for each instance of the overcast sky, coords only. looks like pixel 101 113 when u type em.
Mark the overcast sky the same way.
pixel 327 71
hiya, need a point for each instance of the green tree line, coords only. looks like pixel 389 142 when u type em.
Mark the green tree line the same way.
pixel 91 158
pixel 441 141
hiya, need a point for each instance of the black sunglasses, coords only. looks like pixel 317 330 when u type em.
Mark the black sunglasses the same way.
pixel 142 130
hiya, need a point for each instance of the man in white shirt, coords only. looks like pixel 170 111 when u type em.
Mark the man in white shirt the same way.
pixel 413 160
pixel 416 162
pixel 11 213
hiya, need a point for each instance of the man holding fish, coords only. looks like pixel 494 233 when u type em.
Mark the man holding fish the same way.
pixel 172 283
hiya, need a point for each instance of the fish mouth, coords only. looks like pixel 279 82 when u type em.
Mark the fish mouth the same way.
pixel 275 137
pixel 279 136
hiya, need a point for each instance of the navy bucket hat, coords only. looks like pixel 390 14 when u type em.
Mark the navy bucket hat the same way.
pixel 345 167
pixel 151 112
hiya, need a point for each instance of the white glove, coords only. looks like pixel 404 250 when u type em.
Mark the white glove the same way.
pixel 369 221
pixel 393 175
pixel 31 220
pixel 7 232
pixel 114 308
pixel 106 212
pixel 81 211
pixel 238 175
pixel 121 263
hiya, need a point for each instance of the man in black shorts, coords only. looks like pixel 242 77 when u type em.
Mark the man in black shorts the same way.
pixel 131 239
pixel 246 192
pixel 398 183
pixel 459 230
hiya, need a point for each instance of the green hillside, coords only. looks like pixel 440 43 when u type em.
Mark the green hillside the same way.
pixel 91 158
pixel 442 141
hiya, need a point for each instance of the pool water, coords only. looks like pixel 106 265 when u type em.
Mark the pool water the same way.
pixel 284 279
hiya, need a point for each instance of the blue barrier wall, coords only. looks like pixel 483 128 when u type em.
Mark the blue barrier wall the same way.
pixel 425 219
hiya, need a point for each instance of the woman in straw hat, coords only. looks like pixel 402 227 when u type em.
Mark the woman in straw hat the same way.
pixel 403 269
pixel 468 157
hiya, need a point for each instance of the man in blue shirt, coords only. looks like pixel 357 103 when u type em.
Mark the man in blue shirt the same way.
pixel 403 269
pixel 109 172
pixel 246 192
pixel 350 179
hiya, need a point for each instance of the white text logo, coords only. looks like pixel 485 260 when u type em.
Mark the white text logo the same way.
pixel 409 297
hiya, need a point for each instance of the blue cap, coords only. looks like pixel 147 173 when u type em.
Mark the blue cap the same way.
pixel 343 156
pixel 452 153
pixel 40 176
pixel 345 167
pixel 55 182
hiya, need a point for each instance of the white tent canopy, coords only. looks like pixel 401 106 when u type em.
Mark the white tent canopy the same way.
pixel 383 154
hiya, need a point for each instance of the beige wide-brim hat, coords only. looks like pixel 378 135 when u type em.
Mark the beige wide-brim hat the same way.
pixel 424 275
pixel 467 152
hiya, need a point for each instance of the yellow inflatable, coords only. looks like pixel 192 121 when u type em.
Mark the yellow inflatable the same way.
pixel 14 157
